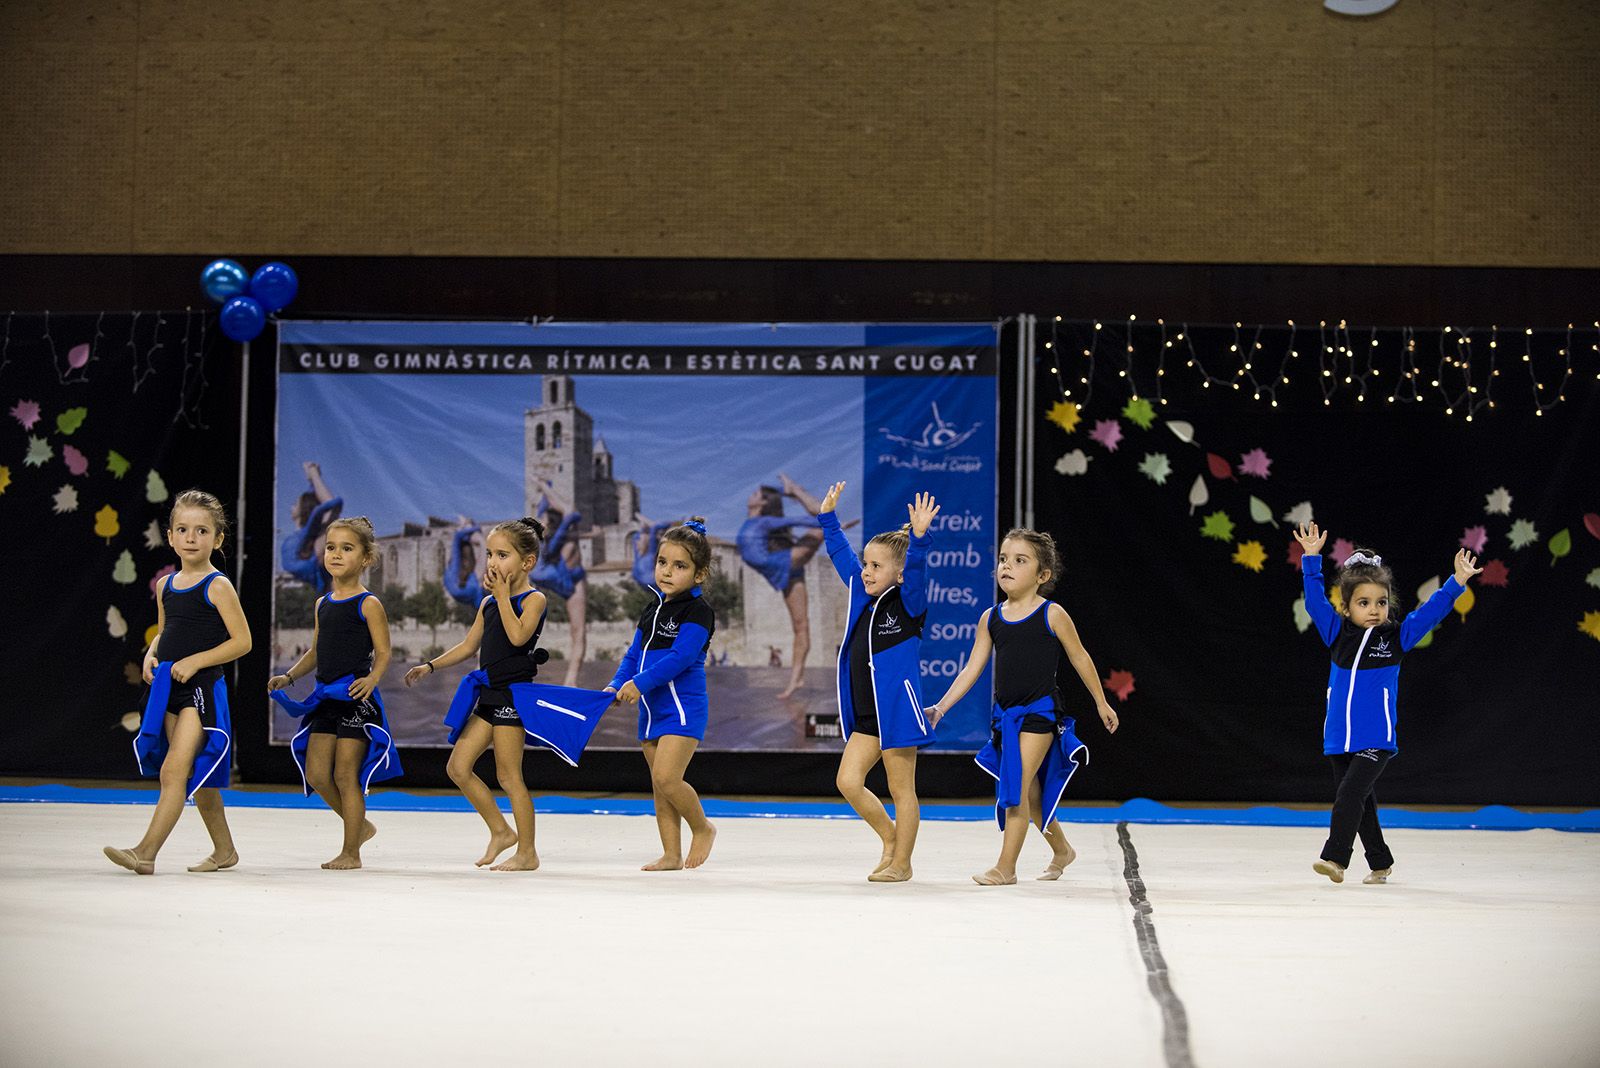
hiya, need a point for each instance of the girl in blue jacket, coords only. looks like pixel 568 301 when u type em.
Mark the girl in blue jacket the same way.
pixel 880 668
pixel 664 673
pixel 1359 734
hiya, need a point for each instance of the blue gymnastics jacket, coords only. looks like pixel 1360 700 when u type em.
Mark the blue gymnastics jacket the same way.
pixel 894 644
pixel 382 761
pixel 150 744
pixel 1364 681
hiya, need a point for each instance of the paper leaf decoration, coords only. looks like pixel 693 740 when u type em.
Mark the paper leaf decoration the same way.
pixel 1255 463
pixel 25 412
pixel 1220 468
pixel 1591 523
pixel 155 490
pixel 1075 462
pixel 116 626
pixel 1560 545
pixel 1140 412
pixel 1064 414
pixel 1120 683
pixel 105 523
pixel 153 538
pixel 155 580
pixel 124 571
pixel 78 355
pixel 76 461
pixel 1473 539
pixel 1107 432
pixel 39 452
pixel 131 722
pixel 1183 431
pixel 116 463
pixel 131 674
pixel 1156 467
pixel 1302 618
pixel 1296 553
pixel 1198 494
pixel 1523 534
pixel 1495 573
pixel 1217 525
pixel 1300 513
pixel 1498 502
pixel 1260 513
pixel 1594 578
pixel 149 636
pixel 1251 554
pixel 1342 548
pixel 5 478
pixel 1427 640
pixel 66 499
pixel 1428 589
pixel 1590 625
pixel 1465 602
pixel 70 420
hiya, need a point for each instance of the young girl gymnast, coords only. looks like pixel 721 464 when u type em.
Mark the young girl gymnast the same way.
pixel 1033 748
pixel 768 543
pixel 879 674
pixel 505 635
pixel 345 745
pixel 664 673
pixel 560 572
pixel 187 733
pixel 1360 724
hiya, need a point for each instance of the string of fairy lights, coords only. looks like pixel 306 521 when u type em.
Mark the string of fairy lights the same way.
pixel 1460 370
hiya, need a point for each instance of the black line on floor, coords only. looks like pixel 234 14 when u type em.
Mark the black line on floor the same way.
pixel 1174 1019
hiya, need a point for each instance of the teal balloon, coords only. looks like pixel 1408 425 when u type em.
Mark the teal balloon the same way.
pixel 274 285
pixel 243 318
pixel 222 279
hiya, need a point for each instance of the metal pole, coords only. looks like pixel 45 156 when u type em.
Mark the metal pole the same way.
pixel 1026 417
pixel 244 429
pixel 1018 420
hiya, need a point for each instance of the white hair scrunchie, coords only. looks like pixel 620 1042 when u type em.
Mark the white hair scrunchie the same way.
pixel 1363 558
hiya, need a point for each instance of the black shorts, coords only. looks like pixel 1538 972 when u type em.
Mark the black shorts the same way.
pixel 497 709
pixel 867 723
pixel 346 719
pixel 196 694
pixel 1032 723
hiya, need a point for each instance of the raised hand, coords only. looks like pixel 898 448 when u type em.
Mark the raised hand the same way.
pixel 831 500
pixel 1310 538
pixel 1466 566
pixel 922 513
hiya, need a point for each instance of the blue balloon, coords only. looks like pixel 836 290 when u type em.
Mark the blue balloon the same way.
pixel 274 285
pixel 243 318
pixel 222 279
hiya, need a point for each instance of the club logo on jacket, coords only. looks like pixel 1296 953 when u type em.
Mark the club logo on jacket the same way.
pixel 1380 650
pixel 889 624
pixel 668 628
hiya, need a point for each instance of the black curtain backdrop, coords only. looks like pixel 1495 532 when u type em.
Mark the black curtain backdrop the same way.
pixel 1226 701
pixel 1502 707
pixel 99 414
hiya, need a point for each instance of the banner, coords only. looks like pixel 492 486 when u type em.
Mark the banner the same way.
pixel 609 432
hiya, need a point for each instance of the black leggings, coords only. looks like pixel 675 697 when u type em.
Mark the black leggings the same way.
pixel 1355 809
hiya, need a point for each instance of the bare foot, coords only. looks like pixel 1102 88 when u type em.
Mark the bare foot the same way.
pixel 887 858
pixel 367 831
pixel 127 858
pixel 344 862
pixel 995 877
pixel 788 693
pixel 890 874
pixel 700 843
pixel 1058 864
pixel 499 842
pixel 665 863
pixel 217 863
pixel 519 861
